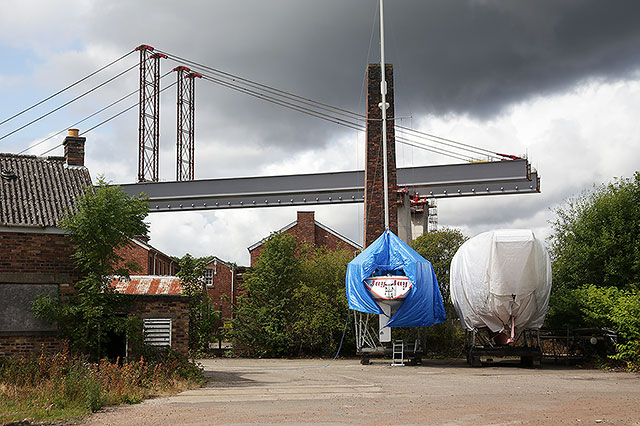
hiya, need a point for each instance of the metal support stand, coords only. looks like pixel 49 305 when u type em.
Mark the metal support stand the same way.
pixel 479 343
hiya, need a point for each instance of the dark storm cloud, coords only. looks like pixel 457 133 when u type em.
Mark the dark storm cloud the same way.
pixel 453 56
pixel 478 57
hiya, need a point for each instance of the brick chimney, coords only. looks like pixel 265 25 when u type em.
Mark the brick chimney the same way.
pixel 374 188
pixel 74 148
pixel 306 227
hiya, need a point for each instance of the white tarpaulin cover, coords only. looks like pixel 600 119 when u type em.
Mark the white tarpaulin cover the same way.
pixel 498 274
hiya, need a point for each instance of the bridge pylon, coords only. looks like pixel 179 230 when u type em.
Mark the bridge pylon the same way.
pixel 185 143
pixel 149 114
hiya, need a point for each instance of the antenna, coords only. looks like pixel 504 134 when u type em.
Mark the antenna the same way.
pixel 383 105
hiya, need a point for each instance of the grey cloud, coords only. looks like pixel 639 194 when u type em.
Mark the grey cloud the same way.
pixel 455 56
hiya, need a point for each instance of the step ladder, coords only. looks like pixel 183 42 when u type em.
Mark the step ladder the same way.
pixel 398 353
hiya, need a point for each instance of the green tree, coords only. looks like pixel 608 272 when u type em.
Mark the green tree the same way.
pixel 265 313
pixel 104 221
pixel 595 248
pixel 439 247
pixel 320 302
pixel 295 302
pixel 596 238
pixel 202 316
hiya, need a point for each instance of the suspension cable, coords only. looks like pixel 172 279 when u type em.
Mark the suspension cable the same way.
pixel 107 120
pixel 79 122
pixel 440 138
pixel 433 149
pixel 320 115
pixel 65 89
pixel 273 95
pixel 69 102
pixel 87 117
pixel 327 117
pixel 233 77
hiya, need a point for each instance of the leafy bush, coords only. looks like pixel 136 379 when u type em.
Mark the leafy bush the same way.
pixel 321 305
pixel 610 307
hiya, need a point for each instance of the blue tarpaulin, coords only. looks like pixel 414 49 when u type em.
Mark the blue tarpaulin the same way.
pixel 390 255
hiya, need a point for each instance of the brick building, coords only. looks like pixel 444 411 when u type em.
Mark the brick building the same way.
pixel 164 311
pixel 35 194
pixel 223 283
pixel 307 230
pixel 151 260
pixel 35 254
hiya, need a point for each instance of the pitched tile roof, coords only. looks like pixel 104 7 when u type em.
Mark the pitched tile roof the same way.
pixel 316 223
pixel 38 191
pixel 147 284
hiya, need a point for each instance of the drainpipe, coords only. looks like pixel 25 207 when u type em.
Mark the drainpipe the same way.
pixel 233 300
pixel 154 263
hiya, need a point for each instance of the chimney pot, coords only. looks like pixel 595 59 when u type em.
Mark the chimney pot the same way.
pixel 74 148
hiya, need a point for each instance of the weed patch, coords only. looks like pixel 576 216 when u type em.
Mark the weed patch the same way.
pixel 62 386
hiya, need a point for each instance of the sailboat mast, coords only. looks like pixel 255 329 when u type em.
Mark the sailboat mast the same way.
pixel 383 91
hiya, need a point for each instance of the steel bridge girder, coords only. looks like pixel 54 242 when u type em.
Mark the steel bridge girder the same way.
pixel 449 181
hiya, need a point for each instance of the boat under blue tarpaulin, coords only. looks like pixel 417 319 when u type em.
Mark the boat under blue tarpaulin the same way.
pixel 390 255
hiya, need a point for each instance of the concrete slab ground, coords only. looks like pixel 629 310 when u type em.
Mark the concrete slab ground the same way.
pixel 267 391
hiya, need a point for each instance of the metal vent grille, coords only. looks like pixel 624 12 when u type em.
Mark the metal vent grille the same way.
pixel 157 331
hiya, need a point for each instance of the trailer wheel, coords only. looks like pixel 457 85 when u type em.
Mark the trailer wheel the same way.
pixel 415 360
pixel 364 361
pixel 526 361
pixel 475 361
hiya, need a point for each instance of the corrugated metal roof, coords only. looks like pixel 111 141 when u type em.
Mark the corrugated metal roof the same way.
pixel 148 284
pixel 38 191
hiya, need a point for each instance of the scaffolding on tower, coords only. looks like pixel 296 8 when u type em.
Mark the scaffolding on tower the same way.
pixel 149 115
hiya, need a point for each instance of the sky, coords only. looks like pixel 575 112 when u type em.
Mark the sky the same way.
pixel 555 80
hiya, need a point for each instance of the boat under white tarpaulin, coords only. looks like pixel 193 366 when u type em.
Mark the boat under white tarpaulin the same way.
pixel 501 278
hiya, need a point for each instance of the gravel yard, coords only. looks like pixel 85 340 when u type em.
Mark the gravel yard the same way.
pixel 267 391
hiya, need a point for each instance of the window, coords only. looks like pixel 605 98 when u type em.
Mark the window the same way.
pixel 208 277
pixel 15 307
pixel 157 331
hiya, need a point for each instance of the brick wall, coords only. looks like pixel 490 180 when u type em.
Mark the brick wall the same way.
pixel 28 345
pixel 374 192
pixel 305 228
pixel 152 262
pixel 134 253
pixel 224 278
pixel 24 252
pixel 166 306
pixel 74 148
pixel 28 258
pixel 331 242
